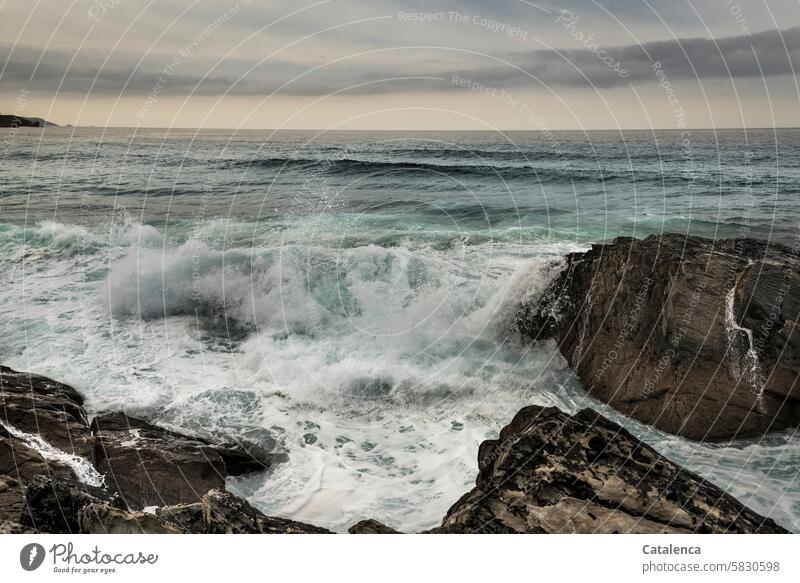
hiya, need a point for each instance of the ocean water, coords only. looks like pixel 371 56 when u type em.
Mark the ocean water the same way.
pixel 348 298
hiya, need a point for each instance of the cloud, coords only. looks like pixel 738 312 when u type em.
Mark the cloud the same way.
pixel 770 53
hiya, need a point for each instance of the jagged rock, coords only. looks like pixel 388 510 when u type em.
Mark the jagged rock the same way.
pixel 12 499
pixel 224 513
pixel 24 463
pixel 696 337
pixel 221 512
pixel 554 473
pixel 151 466
pixel 371 526
pixel 61 507
pixel 53 505
pixel 43 407
pixel 8 527
pixel 254 450
pixel 102 518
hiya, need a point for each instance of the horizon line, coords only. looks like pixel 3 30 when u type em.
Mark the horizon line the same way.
pixel 497 130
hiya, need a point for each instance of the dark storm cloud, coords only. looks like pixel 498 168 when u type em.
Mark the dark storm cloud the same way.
pixel 769 53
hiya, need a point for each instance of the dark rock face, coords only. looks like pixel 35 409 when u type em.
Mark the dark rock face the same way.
pixel 553 473
pixel 151 466
pixel 221 512
pixel 695 337
pixel 100 518
pixel 371 527
pixel 41 406
pixel 58 506
pixel 53 505
pixel 24 463
pixel 12 499
pixel 7 527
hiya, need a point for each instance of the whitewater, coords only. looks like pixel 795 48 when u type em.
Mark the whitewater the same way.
pixel 352 307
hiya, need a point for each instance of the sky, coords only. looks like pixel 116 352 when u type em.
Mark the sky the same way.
pixel 386 64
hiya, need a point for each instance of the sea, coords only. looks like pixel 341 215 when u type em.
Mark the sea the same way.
pixel 349 298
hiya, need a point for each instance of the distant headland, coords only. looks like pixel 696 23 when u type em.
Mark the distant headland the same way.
pixel 17 121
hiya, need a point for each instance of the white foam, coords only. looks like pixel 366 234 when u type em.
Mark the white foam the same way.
pixel 751 371
pixel 379 369
pixel 81 467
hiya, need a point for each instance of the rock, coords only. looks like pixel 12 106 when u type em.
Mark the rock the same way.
pixel 151 466
pixel 61 507
pixel 224 513
pixel 371 527
pixel 8 527
pixel 43 407
pixel 53 505
pixel 12 499
pixel 696 337
pixel 554 473
pixel 25 463
pixel 254 450
pixel 101 518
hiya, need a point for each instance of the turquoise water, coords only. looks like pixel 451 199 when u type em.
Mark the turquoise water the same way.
pixel 351 295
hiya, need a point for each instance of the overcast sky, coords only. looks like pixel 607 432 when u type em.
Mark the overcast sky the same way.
pixel 382 64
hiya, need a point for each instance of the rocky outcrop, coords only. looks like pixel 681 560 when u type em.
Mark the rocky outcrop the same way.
pixel 151 466
pixel 12 499
pixel 696 337
pixel 221 512
pixel 59 474
pixel 17 121
pixel 59 506
pixel 40 406
pixel 554 473
pixel 371 527
pixel 53 505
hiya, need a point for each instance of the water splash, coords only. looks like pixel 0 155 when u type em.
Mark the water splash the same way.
pixel 743 365
pixel 81 467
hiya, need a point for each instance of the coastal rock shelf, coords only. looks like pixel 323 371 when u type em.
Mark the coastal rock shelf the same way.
pixel 553 473
pixel 548 472
pixel 696 337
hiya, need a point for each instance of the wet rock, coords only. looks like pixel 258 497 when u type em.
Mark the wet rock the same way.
pixel 102 518
pixel 8 527
pixel 54 505
pixel 151 466
pixel 220 512
pixel 43 407
pixel 12 499
pixel 696 337
pixel 225 513
pixel 254 450
pixel 371 527
pixel 554 473
pixel 25 463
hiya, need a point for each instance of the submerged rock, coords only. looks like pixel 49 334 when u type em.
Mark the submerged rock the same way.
pixel 554 473
pixel 696 337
